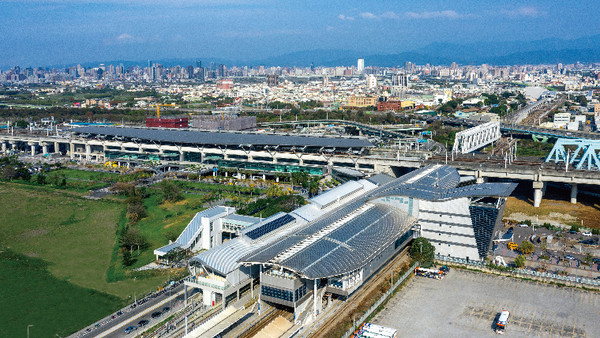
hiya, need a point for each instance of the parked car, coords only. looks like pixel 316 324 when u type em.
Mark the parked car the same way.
pixel 587 233
pixel 523 225
pixel 569 257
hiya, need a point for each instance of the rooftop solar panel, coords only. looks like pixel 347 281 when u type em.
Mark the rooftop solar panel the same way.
pixel 270 226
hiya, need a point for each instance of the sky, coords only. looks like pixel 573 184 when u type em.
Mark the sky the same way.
pixel 56 32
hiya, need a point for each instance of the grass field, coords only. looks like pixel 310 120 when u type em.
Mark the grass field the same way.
pixel 32 295
pixel 76 236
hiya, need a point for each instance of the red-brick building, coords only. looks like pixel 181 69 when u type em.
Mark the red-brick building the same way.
pixel 167 122
pixel 395 105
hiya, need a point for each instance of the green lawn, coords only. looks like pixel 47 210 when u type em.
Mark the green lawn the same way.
pixel 76 236
pixel 163 220
pixel 32 295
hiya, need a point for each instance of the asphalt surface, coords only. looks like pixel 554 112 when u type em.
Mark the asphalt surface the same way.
pixel 467 304
pixel 127 313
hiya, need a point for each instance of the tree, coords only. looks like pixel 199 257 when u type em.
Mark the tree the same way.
pixel 275 191
pixel 9 173
pixel 132 238
pixel 135 209
pixel 422 251
pixel 175 255
pixel 520 261
pixel 527 248
pixel 313 186
pixel 127 259
pixel 41 179
pixel 300 178
pixel 171 191
pixel 22 124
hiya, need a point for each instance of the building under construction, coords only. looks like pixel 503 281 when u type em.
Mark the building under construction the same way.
pixel 167 122
pixel 223 122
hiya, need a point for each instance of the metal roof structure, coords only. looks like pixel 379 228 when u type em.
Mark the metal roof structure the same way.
pixel 326 248
pixel 344 238
pixel 224 138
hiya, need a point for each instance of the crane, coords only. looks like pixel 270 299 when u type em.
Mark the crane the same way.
pixel 158 105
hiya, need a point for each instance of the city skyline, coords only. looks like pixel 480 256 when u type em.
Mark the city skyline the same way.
pixel 54 32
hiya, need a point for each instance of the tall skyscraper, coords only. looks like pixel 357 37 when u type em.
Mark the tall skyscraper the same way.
pixel 360 66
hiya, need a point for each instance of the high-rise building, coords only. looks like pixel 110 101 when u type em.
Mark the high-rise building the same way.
pixel 371 81
pixel 221 70
pixel 360 66
pixel 272 80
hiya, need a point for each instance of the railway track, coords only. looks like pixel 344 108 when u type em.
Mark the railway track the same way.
pixel 442 159
pixel 345 311
pixel 264 321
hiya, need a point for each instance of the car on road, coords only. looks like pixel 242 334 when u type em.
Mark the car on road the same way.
pixel 166 309
pixel 573 232
pixel 143 323
pixel 587 233
pixel 523 225
pixel 156 314
pixel 569 257
pixel 130 329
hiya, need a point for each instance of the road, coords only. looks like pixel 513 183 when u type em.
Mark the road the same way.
pixel 109 324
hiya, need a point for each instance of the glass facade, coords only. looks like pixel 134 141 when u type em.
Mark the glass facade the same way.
pixel 284 294
pixel 281 168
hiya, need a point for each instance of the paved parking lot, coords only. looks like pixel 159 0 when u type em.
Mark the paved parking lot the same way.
pixel 466 304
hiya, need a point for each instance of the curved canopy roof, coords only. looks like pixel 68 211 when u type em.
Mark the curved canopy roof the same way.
pixel 225 138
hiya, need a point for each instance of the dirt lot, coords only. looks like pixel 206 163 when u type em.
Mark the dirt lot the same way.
pixel 555 207
pixel 466 304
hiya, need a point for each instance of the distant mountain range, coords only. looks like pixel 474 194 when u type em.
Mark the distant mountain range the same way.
pixel 546 51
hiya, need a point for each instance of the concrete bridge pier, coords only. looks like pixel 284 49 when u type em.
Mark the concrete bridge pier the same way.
pixel 56 147
pixel 574 193
pixel 3 147
pixel 537 193
pixel 44 148
pixel 88 152
pixel 544 189
pixel 479 178
pixel 32 145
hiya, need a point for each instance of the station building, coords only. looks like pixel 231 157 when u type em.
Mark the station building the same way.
pixel 332 245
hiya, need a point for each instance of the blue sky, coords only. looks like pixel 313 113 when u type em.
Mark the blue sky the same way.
pixel 45 32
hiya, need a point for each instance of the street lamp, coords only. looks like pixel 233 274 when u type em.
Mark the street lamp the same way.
pixel 28 326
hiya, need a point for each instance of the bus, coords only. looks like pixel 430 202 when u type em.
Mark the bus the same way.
pixel 369 330
pixel 502 322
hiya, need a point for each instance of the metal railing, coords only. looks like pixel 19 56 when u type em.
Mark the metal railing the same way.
pixel 381 300
pixel 523 272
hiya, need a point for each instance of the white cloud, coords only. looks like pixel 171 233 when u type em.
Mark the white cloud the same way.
pixel 528 11
pixel 368 15
pixel 345 17
pixel 389 15
pixel 450 14
pixel 329 28
pixel 125 37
